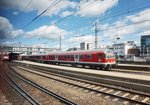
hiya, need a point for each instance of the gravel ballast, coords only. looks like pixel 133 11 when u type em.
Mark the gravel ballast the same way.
pixel 77 95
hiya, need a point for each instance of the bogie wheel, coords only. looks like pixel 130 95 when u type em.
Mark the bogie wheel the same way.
pixel 108 67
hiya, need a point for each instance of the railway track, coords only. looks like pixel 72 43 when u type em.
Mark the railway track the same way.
pixel 22 92
pixel 42 89
pixel 134 84
pixel 132 71
pixel 109 91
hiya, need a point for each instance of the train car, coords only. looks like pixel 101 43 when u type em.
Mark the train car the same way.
pixel 103 59
pixel 14 56
pixel 5 57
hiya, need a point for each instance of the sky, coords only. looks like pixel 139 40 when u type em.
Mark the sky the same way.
pixel 42 22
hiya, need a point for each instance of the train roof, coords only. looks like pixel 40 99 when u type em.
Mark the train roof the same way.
pixel 72 52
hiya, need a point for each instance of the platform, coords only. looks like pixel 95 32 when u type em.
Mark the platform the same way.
pixel 134 67
pixel 132 81
pixel 108 73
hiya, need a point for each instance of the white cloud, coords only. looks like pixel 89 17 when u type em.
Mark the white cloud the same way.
pixel 7 31
pixel 50 32
pixel 15 13
pixel 63 5
pixel 66 13
pixel 128 30
pixel 38 5
pixel 40 45
pixel 94 9
pixel 5 24
pixel 97 8
pixel 87 38
pixel 143 15
pixel 146 33
pixel 17 32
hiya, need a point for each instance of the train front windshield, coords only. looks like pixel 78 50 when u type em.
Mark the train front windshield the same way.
pixel 109 54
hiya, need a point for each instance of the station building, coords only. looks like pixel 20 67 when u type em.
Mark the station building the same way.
pixel 122 49
pixel 86 46
pixel 26 50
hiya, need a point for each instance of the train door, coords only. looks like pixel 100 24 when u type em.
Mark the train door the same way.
pixel 56 57
pixel 76 57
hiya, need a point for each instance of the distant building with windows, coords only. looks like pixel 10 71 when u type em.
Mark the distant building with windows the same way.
pixel 134 52
pixel 26 50
pixel 86 45
pixel 121 49
pixel 145 45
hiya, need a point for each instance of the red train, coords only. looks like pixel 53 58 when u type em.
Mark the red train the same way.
pixel 4 57
pixel 94 59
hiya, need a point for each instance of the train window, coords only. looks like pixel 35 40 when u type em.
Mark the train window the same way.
pixel 110 56
pixel 44 57
pixel 58 57
pixel 65 56
pixel 72 57
pixel 61 56
pixel 88 56
pixel 100 56
pixel 81 56
pixel 76 56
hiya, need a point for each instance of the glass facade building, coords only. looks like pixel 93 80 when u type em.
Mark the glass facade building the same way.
pixel 145 45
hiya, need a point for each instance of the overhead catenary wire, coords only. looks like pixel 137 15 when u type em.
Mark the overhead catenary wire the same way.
pixel 110 28
pixel 52 5
pixel 25 7
pixel 83 8
pixel 139 22
pixel 28 4
pixel 74 12
pixel 116 15
pixel 49 7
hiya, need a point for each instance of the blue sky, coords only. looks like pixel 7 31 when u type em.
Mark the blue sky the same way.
pixel 127 19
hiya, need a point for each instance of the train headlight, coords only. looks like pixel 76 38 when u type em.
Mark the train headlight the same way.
pixel 99 60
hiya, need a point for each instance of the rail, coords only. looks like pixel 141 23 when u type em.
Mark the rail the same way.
pixel 22 92
pixel 66 101
pixel 98 91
